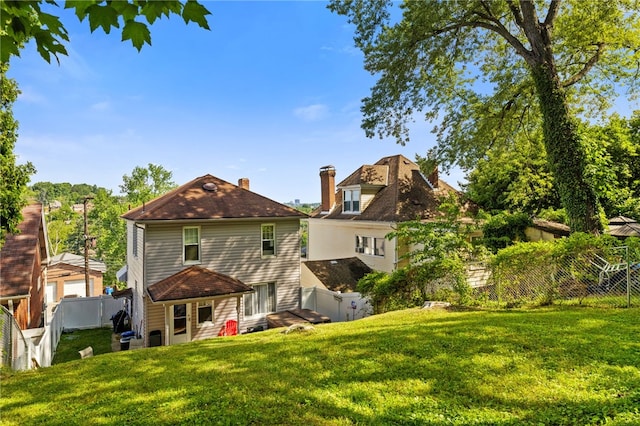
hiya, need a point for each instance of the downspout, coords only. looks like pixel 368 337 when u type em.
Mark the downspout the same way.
pixel 238 311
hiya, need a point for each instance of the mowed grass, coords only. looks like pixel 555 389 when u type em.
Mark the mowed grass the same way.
pixel 551 366
pixel 73 341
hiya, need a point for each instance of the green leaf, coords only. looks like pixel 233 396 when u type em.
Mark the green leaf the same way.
pixel 80 7
pixel 54 25
pixel 125 9
pixel 155 9
pixel 46 44
pixel 9 47
pixel 137 32
pixel 194 11
pixel 102 16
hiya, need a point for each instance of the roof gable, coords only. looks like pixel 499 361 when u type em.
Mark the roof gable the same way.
pixel 209 197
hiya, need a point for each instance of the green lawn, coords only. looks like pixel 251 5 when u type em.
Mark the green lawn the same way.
pixel 71 342
pixel 551 366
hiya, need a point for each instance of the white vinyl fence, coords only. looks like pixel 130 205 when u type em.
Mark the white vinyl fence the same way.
pixel 337 306
pixel 21 348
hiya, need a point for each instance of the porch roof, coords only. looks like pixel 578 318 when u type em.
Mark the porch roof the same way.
pixel 196 282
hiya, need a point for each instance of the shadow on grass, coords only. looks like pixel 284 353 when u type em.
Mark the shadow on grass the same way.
pixel 503 368
pixel 75 340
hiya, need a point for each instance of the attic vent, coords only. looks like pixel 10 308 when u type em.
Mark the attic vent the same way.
pixel 210 186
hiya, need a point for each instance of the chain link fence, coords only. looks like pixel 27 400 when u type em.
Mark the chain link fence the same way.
pixel 592 277
pixel 14 349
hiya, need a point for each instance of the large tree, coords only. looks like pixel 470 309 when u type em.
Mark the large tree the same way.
pixel 488 69
pixel 13 177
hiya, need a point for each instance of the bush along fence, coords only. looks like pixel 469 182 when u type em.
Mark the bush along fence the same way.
pixel 545 273
pixel 581 269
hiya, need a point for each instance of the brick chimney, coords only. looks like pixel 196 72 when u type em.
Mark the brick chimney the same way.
pixel 243 183
pixel 328 187
pixel 434 177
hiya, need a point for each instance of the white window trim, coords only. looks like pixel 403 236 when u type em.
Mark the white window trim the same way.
pixel 192 262
pixel 205 323
pixel 370 249
pixel 275 300
pixel 351 191
pixel 262 240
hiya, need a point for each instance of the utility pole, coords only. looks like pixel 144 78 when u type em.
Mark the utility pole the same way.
pixel 87 287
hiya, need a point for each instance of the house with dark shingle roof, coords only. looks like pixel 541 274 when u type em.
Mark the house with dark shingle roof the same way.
pixel 356 215
pixel 207 253
pixel 23 272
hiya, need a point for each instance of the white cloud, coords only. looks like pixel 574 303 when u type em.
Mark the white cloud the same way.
pixel 347 49
pixel 31 96
pixel 101 106
pixel 314 112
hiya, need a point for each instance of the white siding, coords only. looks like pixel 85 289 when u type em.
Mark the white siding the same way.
pixel 335 239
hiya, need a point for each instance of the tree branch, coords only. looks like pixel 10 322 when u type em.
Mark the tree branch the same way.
pixel 585 69
pixel 493 25
pixel 552 13
pixel 517 14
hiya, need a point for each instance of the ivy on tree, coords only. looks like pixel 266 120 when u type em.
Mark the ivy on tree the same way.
pixel 487 70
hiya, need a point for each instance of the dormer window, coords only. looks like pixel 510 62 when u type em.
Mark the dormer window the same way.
pixel 351 201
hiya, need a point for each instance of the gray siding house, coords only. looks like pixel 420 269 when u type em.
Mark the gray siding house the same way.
pixel 207 255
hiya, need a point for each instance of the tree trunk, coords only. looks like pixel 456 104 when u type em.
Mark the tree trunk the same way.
pixel 565 154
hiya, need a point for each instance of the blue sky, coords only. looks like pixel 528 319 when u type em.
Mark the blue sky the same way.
pixel 271 93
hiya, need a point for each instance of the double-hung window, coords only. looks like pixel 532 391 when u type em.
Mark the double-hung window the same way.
pixel 370 245
pixel 261 301
pixel 351 201
pixel 268 235
pixel 205 313
pixel 191 244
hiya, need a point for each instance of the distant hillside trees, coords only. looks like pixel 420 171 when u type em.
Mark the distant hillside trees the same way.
pixel 107 231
